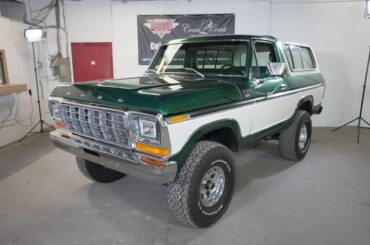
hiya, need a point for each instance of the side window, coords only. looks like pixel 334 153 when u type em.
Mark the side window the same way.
pixel 307 58
pixel 264 54
pixel 289 55
pixel 299 57
pixel 297 60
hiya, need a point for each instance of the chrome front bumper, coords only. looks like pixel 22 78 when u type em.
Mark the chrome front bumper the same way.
pixel 160 175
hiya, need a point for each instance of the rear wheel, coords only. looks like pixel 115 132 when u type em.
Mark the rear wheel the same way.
pixel 97 172
pixel 201 193
pixel 296 139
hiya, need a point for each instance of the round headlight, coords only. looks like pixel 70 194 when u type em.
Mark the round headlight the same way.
pixel 54 107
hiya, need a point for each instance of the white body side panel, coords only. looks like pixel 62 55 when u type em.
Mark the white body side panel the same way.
pixel 252 118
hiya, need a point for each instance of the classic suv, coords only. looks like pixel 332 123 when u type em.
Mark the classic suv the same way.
pixel 200 99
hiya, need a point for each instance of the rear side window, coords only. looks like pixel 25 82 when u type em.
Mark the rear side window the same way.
pixel 299 57
pixel 307 59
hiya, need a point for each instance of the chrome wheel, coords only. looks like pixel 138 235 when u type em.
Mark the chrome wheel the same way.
pixel 212 186
pixel 303 136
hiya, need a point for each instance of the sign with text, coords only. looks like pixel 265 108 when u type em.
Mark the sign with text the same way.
pixel 152 29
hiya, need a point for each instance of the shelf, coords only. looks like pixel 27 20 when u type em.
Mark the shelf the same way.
pixel 6 89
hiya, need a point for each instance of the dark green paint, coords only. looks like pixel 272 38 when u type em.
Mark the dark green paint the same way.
pixel 157 94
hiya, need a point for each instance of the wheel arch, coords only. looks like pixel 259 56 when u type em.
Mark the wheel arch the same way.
pixel 205 132
pixel 306 104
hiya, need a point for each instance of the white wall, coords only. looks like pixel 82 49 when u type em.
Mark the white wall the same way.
pixel 115 21
pixel 20 69
pixel 340 36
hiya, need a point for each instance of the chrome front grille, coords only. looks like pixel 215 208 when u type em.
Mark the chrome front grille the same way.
pixel 100 124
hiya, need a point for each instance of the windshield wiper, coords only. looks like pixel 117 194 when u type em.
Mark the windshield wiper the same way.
pixel 192 69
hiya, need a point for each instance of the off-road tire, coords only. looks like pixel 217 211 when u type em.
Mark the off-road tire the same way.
pixel 289 138
pixel 98 173
pixel 184 193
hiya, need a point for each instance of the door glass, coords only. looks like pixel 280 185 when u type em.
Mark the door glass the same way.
pixel 262 83
pixel 265 54
pixel 289 56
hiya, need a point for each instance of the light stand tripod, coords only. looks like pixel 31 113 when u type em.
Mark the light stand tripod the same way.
pixel 41 122
pixel 359 118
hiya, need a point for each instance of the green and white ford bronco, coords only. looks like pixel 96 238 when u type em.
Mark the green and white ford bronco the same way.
pixel 200 99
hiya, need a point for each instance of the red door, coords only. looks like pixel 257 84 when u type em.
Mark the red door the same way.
pixel 92 61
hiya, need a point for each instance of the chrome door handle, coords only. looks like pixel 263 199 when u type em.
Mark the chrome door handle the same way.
pixel 283 86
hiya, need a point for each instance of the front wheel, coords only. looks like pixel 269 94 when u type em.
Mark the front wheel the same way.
pixel 296 139
pixel 97 172
pixel 203 189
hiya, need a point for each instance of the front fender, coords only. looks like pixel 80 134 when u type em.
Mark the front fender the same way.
pixel 232 124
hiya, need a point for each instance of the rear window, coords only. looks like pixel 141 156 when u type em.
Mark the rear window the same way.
pixel 300 58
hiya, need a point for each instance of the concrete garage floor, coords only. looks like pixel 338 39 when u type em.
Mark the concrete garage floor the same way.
pixel 324 199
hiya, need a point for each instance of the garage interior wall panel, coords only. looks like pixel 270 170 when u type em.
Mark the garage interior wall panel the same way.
pixel 116 21
pixel 340 36
pixel 20 68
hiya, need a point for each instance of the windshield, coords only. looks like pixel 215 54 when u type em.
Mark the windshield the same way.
pixel 221 58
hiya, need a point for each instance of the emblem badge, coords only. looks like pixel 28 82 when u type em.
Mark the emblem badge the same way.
pixel 99 97
pixel 162 26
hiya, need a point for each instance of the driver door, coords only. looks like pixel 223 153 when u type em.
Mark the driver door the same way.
pixel 262 83
pixel 267 112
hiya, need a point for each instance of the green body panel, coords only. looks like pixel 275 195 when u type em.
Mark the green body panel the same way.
pixel 292 82
pixel 157 94
pixel 300 81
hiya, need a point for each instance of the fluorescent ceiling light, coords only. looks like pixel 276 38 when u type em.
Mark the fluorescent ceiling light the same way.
pixel 34 34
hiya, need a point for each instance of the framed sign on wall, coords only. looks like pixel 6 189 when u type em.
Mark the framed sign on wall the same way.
pixel 152 29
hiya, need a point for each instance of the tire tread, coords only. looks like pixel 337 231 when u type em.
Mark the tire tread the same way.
pixel 178 192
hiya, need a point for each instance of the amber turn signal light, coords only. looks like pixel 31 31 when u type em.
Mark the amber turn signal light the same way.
pixel 153 162
pixel 59 124
pixel 152 149
pixel 178 118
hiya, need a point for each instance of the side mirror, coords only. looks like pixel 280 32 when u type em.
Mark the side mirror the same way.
pixel 276 68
